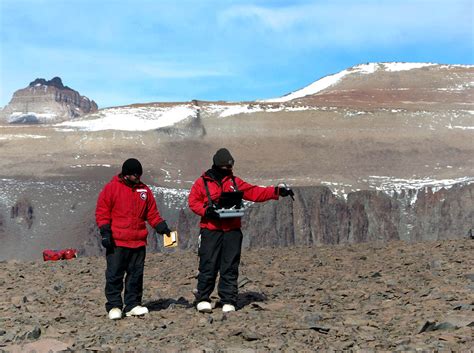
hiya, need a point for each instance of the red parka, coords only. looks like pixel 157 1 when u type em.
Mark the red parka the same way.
pixel 198 199
pixel 126 208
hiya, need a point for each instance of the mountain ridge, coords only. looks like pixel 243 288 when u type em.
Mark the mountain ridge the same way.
pixel 368 68
pixel 321 85
pixel 369 86
pixel 402 132
pixel 46 101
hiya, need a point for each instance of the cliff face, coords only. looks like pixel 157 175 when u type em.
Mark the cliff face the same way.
pixel 46 101
pixel 443 214
pixel 318 217
pixel 61 215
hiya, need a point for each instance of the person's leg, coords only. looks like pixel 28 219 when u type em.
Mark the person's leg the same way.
pixel 116 265
pixel 209 255
pixel 134 278
pixel 229 266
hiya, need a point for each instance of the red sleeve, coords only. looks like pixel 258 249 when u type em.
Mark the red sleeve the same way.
pixel 153 217
pixel 256 193
pixel 197 199
pixel 103 210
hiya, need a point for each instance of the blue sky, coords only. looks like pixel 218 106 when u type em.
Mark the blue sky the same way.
pixel 119 52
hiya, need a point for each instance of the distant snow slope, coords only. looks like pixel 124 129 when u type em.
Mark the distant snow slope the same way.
pixel 154 116
pixel 368 68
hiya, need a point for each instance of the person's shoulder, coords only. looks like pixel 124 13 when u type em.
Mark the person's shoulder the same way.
pixel 111 186
pixel 142 185
pixel 110 183
pixel 200 179
pixel 114 179
pixel 198 184
pixel 237 178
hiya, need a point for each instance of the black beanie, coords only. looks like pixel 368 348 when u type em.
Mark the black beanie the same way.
pixel 132 166
pixel 222 158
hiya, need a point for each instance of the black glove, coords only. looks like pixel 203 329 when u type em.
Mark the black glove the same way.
pixel 284 192
pixel 211 212
pixel 106 235
pixel 162 228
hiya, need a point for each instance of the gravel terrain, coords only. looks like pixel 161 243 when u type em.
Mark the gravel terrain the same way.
pixel 366 297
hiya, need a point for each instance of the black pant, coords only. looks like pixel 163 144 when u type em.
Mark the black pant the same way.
pixel 121 261
pixel 219 251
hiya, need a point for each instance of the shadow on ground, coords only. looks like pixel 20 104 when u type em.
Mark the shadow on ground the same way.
pixel 163 304
pixel 248 298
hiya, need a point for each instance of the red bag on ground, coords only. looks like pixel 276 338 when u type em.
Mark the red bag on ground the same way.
pixel 69 254
pixel 55 255
pixel 52 255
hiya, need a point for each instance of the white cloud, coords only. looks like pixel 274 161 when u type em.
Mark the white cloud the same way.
pixel 342 23
pixel 274 19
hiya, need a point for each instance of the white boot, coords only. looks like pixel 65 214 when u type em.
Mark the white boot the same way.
pixel 227 308
pixel 115 314
pixel 204 307
pixel 137 311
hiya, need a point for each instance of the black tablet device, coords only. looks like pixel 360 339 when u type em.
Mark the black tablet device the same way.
pixel 230 199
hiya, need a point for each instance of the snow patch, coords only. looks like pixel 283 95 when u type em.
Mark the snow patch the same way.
pixel 131 119
pixel 398 66
pixel 454 66
pixel 21 136
pixel 313 88
pixel 172 198
pixel 239 109
pixel 460 127
pixel 90 165
pixel 391 184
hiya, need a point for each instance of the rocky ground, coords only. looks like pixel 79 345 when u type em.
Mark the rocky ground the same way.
pixel 370 297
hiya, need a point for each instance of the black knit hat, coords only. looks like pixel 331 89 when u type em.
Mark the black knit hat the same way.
pixel 223 158
pixel 132 166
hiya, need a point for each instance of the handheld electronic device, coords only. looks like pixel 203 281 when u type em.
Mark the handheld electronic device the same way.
pixel 230 204
pixel 229 199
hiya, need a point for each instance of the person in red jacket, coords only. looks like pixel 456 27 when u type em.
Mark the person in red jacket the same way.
pixel 123 206
pixel 220 239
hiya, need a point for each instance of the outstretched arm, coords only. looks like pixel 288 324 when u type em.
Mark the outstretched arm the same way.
pixel 256 193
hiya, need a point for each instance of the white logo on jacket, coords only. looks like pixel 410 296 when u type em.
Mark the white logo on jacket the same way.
pixel 142 194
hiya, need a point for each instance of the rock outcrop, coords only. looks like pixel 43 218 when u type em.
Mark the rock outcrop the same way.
pixel 58 218
pixel 318 217
pixel 45 102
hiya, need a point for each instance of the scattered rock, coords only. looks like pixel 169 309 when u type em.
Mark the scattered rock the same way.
pixel 246 334
pixel 435 264
pixel 469 276
pixel 44 345
pixel 468 307
pixel 339 305
pixel 243 281
pixel 18 301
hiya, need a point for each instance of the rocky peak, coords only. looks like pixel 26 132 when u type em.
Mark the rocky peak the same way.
pixel 46 101
pixel 54 82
